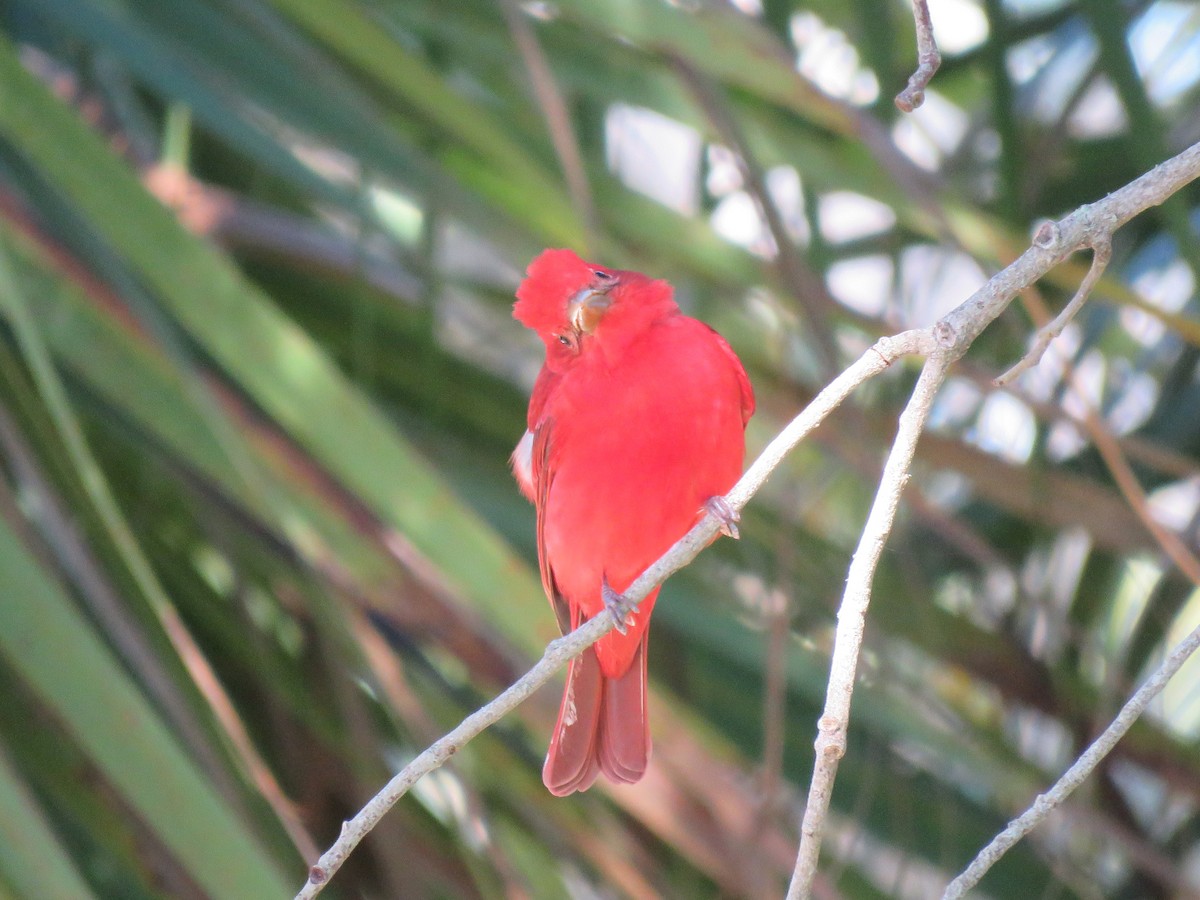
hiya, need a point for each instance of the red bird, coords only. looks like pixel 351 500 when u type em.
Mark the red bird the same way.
pixel 636 425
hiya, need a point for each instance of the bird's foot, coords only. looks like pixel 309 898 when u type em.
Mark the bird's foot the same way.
pixel 618 606
pixel 728 517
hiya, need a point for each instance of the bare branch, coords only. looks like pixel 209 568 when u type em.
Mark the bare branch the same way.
pixel 1186 561
pixel 1101 254
pixel 1085 227
pixel 944 343
pixel 882 354
pixel 1090 225
pixel 928 60
pixel 835 721
pixel 1117 462
pixel 1077 774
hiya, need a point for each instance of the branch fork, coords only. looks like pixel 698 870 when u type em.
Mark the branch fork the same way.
pixel 941 345
pixel 1090 226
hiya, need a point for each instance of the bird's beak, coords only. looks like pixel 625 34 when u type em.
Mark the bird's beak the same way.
pixel 587 308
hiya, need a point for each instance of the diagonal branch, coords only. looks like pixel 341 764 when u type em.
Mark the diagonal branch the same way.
pixel 852 617
pixel 1101 254
pixel 1077 773
pixel 1090 225
pixel 877 358
pixel 942 344
pixel 1172 544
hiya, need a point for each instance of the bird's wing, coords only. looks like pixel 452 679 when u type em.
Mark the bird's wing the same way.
pixel 543 477
pixel 743 379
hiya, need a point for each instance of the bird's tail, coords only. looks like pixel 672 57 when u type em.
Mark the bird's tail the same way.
pixel 602 726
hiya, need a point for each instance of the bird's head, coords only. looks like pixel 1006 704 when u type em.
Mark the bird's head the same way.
pixel 571 303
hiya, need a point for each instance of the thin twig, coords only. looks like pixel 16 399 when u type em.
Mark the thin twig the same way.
pixel 1117 462
pixel 1046 803
pixel 928 60
pixel 1084 227
pixel 1101 254
pixel 835 720
pixel 881 355
pixel 1186 561
pixel 1077 773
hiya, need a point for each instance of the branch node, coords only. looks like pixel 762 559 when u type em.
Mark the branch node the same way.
pixel 317 875
pixel 831 742
pixel 945 334
pixel 1047 235
pixel 928 60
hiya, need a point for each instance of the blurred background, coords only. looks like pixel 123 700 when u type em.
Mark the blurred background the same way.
pixel 259 382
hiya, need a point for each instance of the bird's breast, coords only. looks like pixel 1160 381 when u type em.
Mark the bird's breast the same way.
pixel 637 449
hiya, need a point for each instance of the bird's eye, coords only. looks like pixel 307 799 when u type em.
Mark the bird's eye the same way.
pixel 564 340
pixel 603 276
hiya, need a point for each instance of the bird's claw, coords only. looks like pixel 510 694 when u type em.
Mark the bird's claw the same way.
pixel 728 517
pixel 618 606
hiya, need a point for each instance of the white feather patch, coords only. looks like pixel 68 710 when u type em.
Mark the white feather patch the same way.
pixel 522 463
pixel 570 715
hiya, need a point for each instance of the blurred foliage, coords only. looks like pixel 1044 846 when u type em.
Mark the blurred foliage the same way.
pixel 258 385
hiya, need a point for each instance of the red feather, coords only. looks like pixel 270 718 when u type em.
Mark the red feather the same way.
pixel 632 428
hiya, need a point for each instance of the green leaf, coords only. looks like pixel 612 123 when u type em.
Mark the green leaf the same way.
pixel 54 649
pixel 32 861
pixel 269 357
